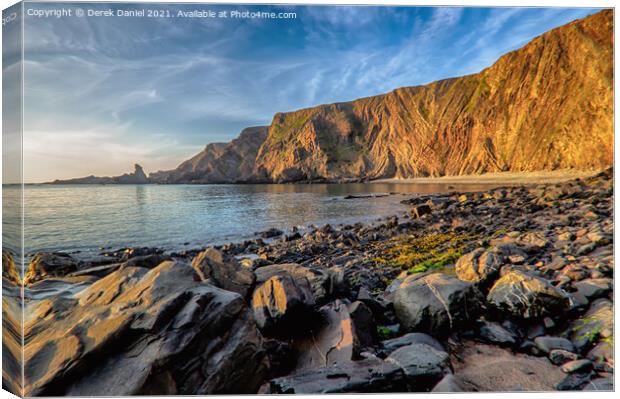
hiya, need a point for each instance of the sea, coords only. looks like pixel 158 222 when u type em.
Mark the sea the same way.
pixel 84 220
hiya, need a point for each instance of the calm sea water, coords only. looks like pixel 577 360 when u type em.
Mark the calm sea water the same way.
pixel 87 217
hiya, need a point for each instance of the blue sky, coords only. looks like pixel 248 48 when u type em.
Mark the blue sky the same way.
pixel 103 93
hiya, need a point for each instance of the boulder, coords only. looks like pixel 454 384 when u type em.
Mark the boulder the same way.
pixel 525 296
pixel 273 232
pixel 319 280
pixel 368 375
pixel 435 303
pixel 49 264
pixel 561 356
pixel 341 333
pixel 478 266
pixel 548 343
pixel 600 384
pixel 224 272
pixel 140 331
pixel 577 366
pixel 593 288
pixel 281 304
pixel 423 365
pixel 496 334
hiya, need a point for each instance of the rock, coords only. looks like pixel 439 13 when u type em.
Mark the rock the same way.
pixel 526 296
pixel 576 366
pixel 561 356
pixel 495 334
pixel 448 383
pixel 420 210
pixel 343 332
pixel 49 264
pixel 599 238
pixel 273 232
pixel 593 288
pixel 602 352
pixel 595 324
pixel 548 343
pixel 478 266
pixel 573 382
pixel 161 332
pixel 281 304
pixel 480 367
pixel 600 384
pixel 211 266
pixel 566 236
pixel 319 280
pixel 368 375
pixel 423 365
pixel 435 303
pixel 585 249
pixel 9 271
pixel 391 345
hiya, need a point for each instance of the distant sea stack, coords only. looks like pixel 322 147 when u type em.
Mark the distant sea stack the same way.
pixel 545 106
pixel 137 177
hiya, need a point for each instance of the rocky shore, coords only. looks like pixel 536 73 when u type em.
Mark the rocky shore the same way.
pixel 503 290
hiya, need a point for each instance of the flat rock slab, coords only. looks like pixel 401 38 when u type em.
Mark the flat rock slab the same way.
pixel 481 367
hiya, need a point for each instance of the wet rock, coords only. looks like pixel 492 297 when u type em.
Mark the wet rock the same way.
pixel 496 334
pixel 478 266
pixel 224 272
pixel 548 343
pixel 577 366
pixel 423 365
pixel 526 296
pixel 161 332
pixel 435 303
pixel 49 264
pixel 368 375
pixel 281 303
pixel 319 280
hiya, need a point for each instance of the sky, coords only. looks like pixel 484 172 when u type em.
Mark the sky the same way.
pixel 103 93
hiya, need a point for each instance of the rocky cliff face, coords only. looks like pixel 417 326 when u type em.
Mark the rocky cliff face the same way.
pixel 219 162
pixel 548 105
pixel 545 106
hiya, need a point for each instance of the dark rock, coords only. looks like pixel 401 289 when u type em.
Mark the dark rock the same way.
pixel 596 323
pixel 162 332
pixel 548 343
pixel 526 296
pixel 449 383
pixel 594 288
pixel 495 334
pixel 224 272
pixel 423 365
pixel 281 303
pixel 420 210
pixel 49 264
pixel 561 356
pixel 368 375
pixel 319 280
pixel 391 345
pixel 435 303
pixel 273 232
pixel 573 382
